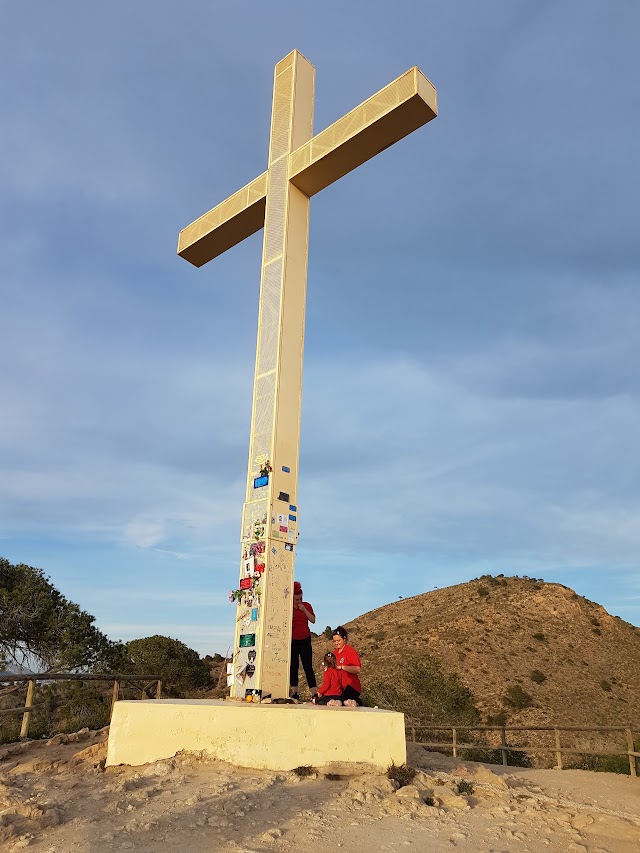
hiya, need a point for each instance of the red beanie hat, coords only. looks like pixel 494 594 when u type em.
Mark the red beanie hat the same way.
pixel 297 588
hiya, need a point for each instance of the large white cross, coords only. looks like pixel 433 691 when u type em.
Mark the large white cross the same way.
pixel 300 165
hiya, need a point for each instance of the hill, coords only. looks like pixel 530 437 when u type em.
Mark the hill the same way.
pixel 499 649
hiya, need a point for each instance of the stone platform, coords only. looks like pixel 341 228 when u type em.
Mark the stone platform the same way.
pixel 265 737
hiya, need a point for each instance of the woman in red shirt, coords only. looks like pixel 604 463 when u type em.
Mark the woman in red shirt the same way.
pixel 348 664
pixel 301 642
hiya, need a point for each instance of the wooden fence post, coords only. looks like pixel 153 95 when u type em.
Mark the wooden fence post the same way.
pixel 630 747
pixel 503 741
pixel 24 729
pixel 114 697
pixel 558 750
pixel 159 690
pixel 454 743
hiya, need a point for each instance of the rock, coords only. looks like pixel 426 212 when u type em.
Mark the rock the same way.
pixel 94 755
pixel 409 792
pixel 35 766
pixel 271 835
pixel 7 831
pixel 367 788
pixel 581 821
pixel 484 776
pixel 76 737
pixel 218 820
pixel 450 801
pixel 56 740
pixel 51 817
pixel 611 828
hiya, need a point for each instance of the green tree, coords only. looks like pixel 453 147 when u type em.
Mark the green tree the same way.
pixel 43 630
pixel 181 668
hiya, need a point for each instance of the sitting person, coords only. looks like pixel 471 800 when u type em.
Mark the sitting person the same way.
pixel 330 691
pixel 348 664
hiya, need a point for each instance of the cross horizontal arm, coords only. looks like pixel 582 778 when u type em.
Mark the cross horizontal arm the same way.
pixel 384 118
pixel 239 216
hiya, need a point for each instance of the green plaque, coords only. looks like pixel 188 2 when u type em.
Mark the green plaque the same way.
pixel 247 640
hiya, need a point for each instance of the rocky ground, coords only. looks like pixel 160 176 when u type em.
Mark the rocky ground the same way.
pixel 56 797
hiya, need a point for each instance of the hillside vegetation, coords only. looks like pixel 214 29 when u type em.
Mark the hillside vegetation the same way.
pixel 499 649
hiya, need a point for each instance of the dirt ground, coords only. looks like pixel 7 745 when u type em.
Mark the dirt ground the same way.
pixel 56 797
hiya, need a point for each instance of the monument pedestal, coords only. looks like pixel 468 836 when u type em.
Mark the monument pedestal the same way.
pixel 264 737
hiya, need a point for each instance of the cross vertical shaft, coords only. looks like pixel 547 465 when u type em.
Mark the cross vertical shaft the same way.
pixel 270 512
pixel 300 165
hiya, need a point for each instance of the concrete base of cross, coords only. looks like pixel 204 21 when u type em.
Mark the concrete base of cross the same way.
pixel 266 737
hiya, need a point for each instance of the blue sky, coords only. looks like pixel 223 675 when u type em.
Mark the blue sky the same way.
pixel 472 380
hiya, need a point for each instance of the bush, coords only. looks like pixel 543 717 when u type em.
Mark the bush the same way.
pixel 181 668
pixel 425 694
pixel 540 637
pixel 304 770
pixel 517 698
pixel 61 707
pixel 494 756
pixel 328 632
pixel 605 685
pixel 449 699
pixel 538 677
pixel 465 787
pixel 602 764
pixel 483 591
pixel 402 774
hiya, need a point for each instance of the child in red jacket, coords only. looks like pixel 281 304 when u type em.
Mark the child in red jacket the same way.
pixel 330 691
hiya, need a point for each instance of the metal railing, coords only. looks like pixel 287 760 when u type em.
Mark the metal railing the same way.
pixel 455 745
pixel 32 679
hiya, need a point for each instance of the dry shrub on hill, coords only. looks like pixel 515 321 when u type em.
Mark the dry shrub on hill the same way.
pixel 526 652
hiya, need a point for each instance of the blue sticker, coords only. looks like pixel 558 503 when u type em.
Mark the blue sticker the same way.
pixel 286 470
pixel 293 508
pixel 292 518
pixel 260 481
pixel 254 614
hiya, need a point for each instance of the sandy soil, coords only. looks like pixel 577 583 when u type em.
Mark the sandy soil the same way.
pixel 56 797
